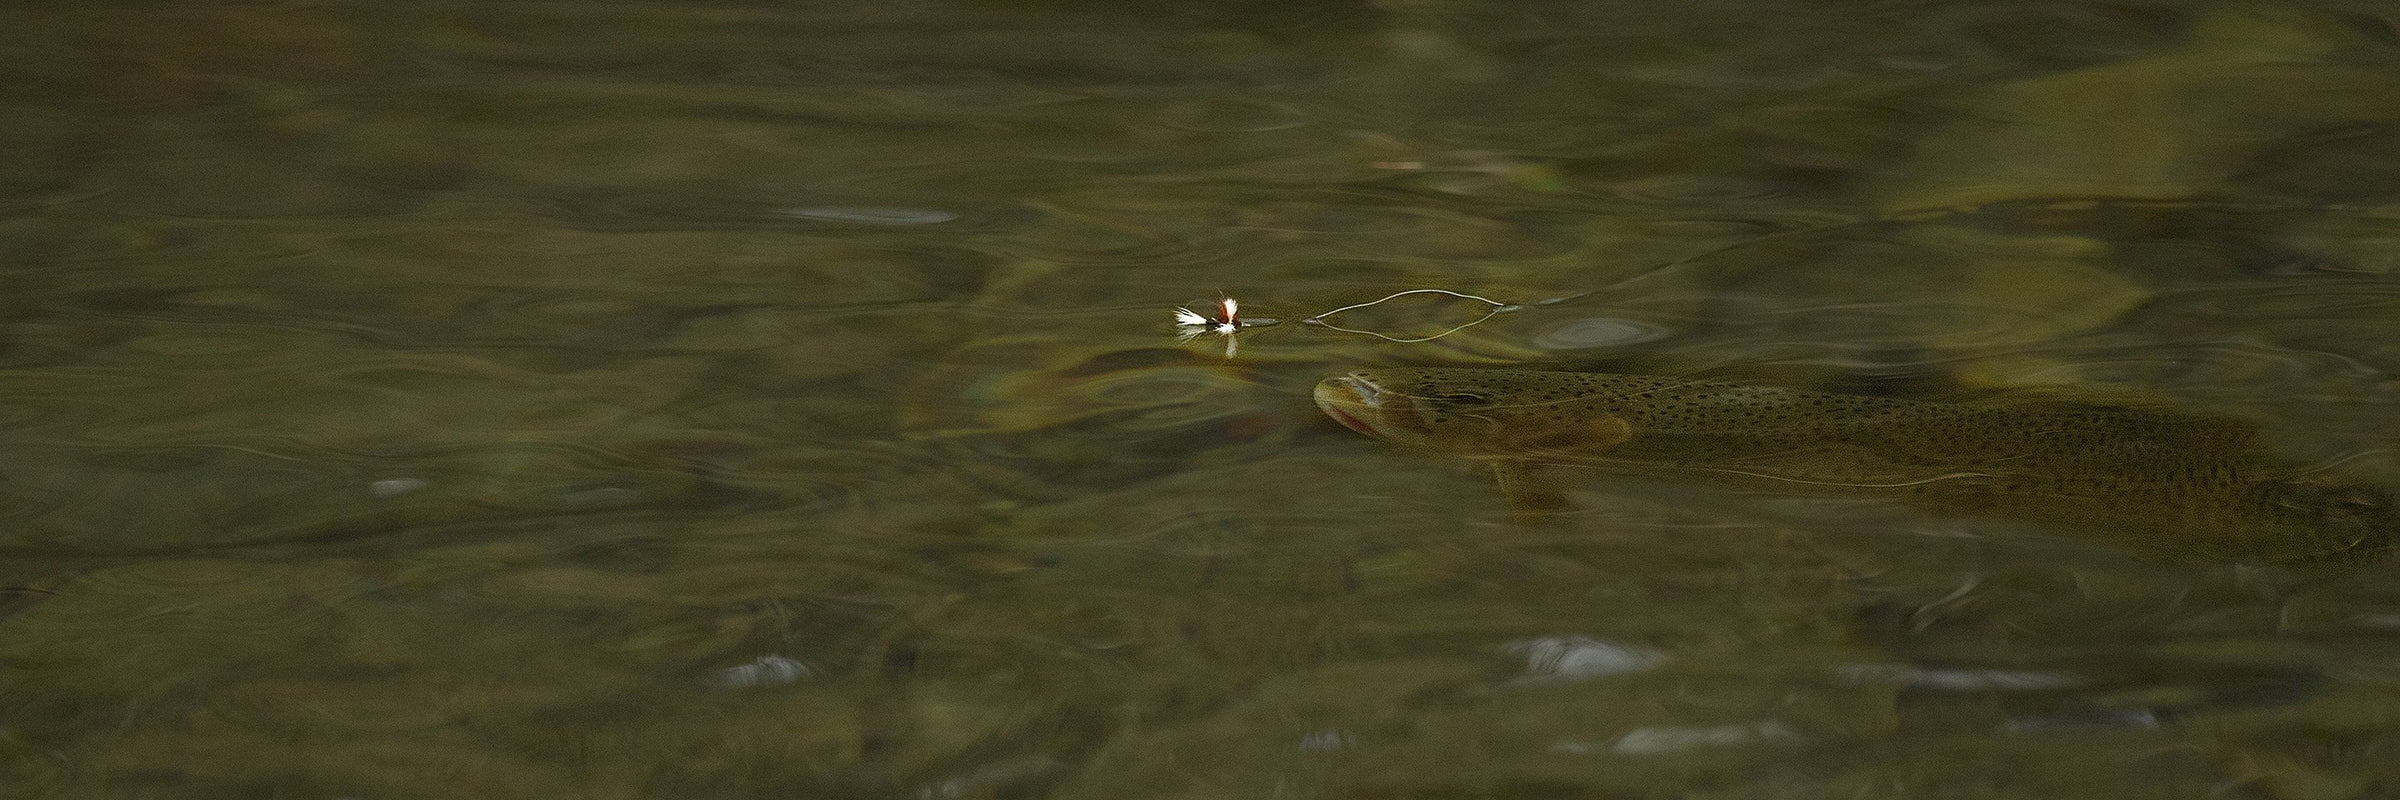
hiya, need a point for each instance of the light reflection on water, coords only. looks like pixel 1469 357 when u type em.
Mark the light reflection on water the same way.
pixel 725 400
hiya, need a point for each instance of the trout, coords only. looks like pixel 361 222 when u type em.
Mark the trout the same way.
pixel 2158 480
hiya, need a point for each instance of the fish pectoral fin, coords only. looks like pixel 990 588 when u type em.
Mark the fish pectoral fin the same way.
pixel 1532 491
pixel 1589 437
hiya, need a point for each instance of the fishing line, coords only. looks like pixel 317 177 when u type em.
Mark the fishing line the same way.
pixel 1496 308
pixel 1227 320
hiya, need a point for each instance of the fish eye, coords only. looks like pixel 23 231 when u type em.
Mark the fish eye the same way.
pixel 1463 398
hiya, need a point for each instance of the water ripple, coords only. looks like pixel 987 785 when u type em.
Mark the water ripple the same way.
pixel 872 215
pixel 1698 189
pixel 1594 332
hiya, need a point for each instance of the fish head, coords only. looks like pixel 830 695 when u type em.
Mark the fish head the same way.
pixel 1496 413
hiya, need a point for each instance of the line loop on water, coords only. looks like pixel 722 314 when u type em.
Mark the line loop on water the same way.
pixel 1496 309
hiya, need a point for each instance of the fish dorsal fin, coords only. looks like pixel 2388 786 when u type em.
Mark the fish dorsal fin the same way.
pixel 2134 407
pixel 2063 396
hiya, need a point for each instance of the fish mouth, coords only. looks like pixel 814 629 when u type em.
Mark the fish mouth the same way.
pixel 1352 401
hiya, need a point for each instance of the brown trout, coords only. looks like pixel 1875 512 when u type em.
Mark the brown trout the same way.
pixel 2154 479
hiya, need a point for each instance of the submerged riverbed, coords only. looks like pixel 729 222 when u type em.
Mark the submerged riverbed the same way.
pixel 720 399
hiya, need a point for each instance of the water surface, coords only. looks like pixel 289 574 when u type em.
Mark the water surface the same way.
pixel 717 399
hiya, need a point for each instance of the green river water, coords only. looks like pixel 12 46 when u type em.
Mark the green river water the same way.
pixel 584 399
